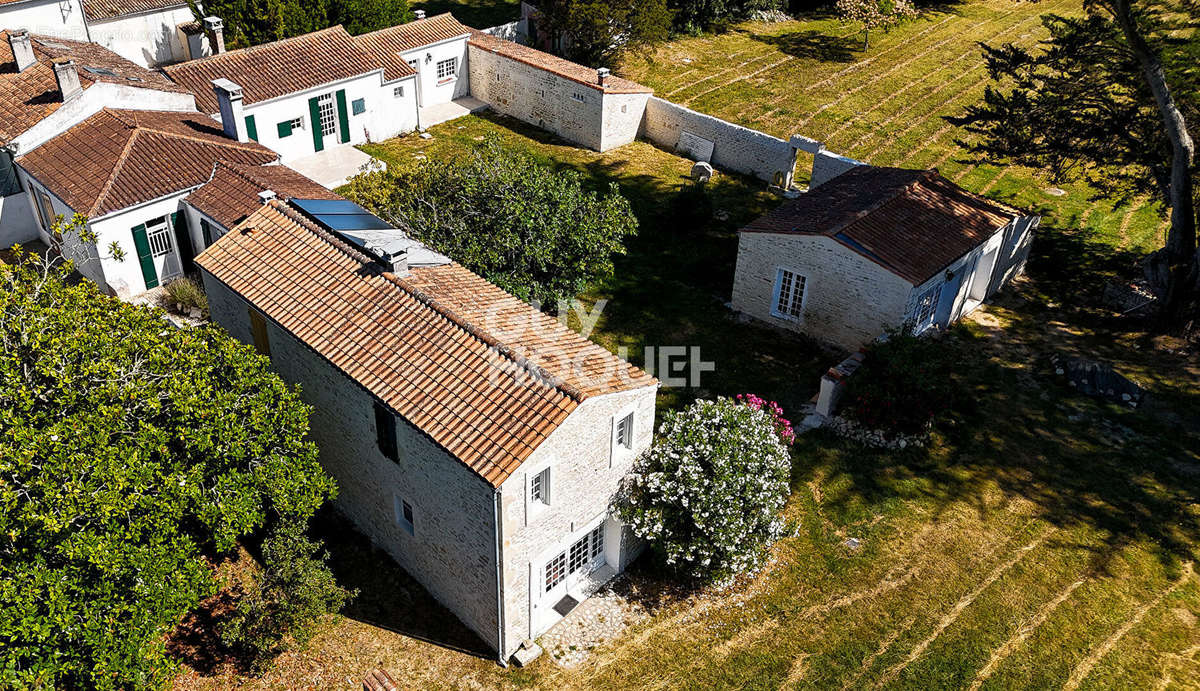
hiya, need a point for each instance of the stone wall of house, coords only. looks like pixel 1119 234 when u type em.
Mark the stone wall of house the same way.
pixel 623 114
pixel 586 468
pixel 735 148
pixel 556 104
pixel 848 299
pixel 452 550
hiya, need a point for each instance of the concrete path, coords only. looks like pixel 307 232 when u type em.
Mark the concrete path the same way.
pixel 333 167
pixel 444 112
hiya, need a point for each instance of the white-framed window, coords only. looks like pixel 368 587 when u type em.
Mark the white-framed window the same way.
pixel 446 69
pixel 926 309
pixel 578 97
pixel 789 294
pixel 405 517
pixel 398 91
pixel 328 114
pixel 583 556
pixel 556 571
pixel 539 488
pixel 158 233
pixel 624 432
pixel 297 124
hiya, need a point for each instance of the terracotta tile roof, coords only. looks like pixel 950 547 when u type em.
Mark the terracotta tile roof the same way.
pixel 912 222
pixel 99 10
pixel 118 158
pixel 276 69
pixel 386 45
pixel 417 343
pixel 30 96
pixel 556 65
pixel 232 193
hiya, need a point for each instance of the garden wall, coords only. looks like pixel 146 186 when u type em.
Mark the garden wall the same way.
pixel 725 145
pixel 828 165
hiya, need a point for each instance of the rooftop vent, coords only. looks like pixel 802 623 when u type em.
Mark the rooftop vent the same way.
pixel 419 14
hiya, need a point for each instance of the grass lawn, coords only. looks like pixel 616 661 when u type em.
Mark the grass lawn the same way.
pixel 884 105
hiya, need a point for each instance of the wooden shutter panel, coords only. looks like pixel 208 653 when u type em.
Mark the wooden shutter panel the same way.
pixel 142 244
pixel 314 114
pixel 285 129
pixel 385 432
pixel 251 127
pixel 258 330
pixel 183 241
pixel 206 232
pixel 343 118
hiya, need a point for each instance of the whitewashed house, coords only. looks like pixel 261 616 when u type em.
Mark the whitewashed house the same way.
pixel 874 248
pixel 476 440
pixel 302 95
pixel 127 171
pixel 50 84
pixel 57 18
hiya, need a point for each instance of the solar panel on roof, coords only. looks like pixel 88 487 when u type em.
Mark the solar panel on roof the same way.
pixel 340 214
pixel 321 207
pixel 352 222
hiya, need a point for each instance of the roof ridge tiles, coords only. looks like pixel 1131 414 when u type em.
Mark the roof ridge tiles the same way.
pixel 116 170
pixel 263 46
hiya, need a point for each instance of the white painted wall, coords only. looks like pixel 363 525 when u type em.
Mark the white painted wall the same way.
pixel 434 91
pixel 84 254
pixel 18 223
pixel 124 277
pixel 62 18
pixel 386 115
pixel 148 39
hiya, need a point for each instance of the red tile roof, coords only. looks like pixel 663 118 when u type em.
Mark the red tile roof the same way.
pixel 118 158
pixel 30 96
pixel 98 10
pixel 386 45
pixel 555 65
pixel 431 345
pixel 232 193
pixel 277 68
pixel 912 222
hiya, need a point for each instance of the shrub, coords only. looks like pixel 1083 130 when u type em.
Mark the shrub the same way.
pixel 903 383
pixel 293 593
pixel 707 495
pixel 783 426
pixel 188 293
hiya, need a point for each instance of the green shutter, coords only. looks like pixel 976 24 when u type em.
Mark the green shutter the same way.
pixel 251 127
pixel 343 119
pixel 314 113
pixel 142 244
pixel 285 129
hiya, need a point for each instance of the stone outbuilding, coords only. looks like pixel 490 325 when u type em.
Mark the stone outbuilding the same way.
pixel 874 248
pixel 476 440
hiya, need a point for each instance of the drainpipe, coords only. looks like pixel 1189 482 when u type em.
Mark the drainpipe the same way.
pixel 498 513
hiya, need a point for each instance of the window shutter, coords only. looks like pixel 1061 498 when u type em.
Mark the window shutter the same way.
pixel 314 112
pixel 385 432
pixel 343 119
pixel 285 129
pixel 206 232
pixel 251 127
pixel 142 244
pixel 258 331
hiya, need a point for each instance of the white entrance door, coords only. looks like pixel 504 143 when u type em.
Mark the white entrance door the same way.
pixel 162 247
pixel 568 568
pixel 328 115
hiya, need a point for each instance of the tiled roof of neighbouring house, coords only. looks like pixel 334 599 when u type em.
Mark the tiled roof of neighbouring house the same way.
pixel 98 10
pixel 555 65
pixel 482 374
pixel 118 158
pixel 28 97
pixel 386 45
pixel 232 193
pixel 276 69
pixel 912 222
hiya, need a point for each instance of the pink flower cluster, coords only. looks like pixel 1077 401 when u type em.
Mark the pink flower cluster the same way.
pixel 782 426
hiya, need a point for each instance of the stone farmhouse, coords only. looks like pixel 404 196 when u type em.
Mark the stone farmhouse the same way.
pixel 476 440
pixel 874 248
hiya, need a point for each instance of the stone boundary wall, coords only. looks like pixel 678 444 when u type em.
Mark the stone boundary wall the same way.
pixel 517 31
pixel 828 165
pixel 735 148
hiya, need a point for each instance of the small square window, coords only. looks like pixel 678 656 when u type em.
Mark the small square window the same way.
pixel 358 106
pixel 398 92
pixel 539 488
pixel 404 514
pixel 578 97
pixel 298 124
pixel 625 431
pixel 446 69
pixel 541 93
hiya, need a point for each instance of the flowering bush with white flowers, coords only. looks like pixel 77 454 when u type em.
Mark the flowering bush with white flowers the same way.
pixel 707 496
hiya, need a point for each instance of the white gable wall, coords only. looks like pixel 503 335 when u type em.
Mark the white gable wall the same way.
pixel 148 39
pixel 84 254
pixel 433 90
pixel 62 18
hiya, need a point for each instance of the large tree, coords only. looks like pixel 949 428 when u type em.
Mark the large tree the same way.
pixel 1107 97
pixel 132 455
pixel 593 32
pixel 252 22
pixel 528 228
pixel 694 16
pixel 875 14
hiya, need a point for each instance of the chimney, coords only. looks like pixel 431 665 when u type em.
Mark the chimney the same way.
pixel 419 14
pixel 229 96
pixel 216 34
pixel 22 49
pixel 395 261
pixel 68 79
pixel 266 196
pixel 602 76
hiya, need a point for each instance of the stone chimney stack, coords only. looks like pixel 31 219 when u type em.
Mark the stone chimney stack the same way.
pixel 229 96
pixel 22 49
pixel 67 75
pixel 419 14
pixel 216 33
pixel 266 196
pixel 602 76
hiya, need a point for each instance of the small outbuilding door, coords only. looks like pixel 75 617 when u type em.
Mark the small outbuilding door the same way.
pixel 329 118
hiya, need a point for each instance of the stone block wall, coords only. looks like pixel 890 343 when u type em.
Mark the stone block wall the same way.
pixel 452 551
pixel 828 165
pixel 735 148
pixel 848 300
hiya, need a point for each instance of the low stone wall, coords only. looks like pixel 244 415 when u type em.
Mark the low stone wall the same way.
pixel 828 165
pixel 725 145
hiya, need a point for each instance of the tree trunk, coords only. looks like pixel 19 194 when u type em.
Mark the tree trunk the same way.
pixel 1182 261
pixel 866 39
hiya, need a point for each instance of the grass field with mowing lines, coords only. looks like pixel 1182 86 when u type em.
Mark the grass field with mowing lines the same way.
pixel 885 105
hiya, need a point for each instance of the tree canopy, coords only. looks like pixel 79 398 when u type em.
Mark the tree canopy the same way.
pixel 694 16
pixel 1107 98
pixel 875 14
pixel 532 230
pixel 593 32
pixel 252 22
pixel 132 453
